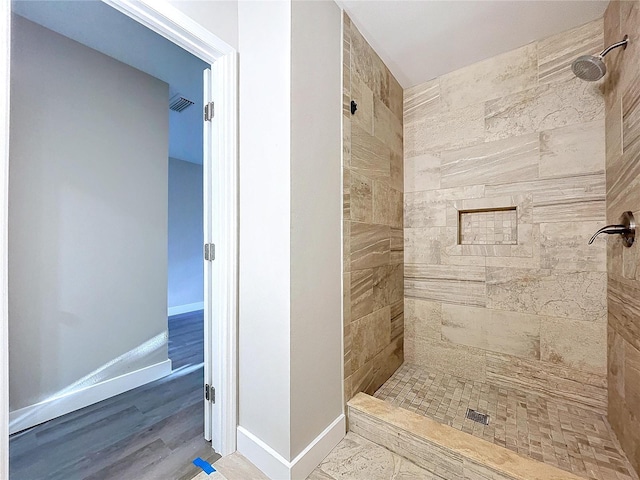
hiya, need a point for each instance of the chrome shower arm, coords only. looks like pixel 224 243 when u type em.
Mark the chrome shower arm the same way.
pixel 622 43
pixel 626 228
pixel 610 230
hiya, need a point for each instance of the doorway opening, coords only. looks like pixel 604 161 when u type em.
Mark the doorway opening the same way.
pixel 147 345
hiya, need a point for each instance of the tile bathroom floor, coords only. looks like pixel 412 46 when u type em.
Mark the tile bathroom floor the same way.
pixel 560 434
pixel 356 458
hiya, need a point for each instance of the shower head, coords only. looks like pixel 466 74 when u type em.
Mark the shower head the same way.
pixel 592 67
pixel 589 67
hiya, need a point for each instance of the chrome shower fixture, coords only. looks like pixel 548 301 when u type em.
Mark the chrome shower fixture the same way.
pixel 592 67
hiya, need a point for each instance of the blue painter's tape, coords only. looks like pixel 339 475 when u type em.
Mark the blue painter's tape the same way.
pixel 206 466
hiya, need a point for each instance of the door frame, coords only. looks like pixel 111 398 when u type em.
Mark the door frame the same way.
pixel 164 19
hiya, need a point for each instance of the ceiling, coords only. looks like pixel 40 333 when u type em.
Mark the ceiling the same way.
pixel 421 40
pixel 102 28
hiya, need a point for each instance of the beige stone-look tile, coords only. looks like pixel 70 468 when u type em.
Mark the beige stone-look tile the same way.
pixel 565 248
pixel 615 361
pixel 361 298
pixel 459 360
pixel 423 319
pixel 578 295
pixel 346 141
pixel 585 389
pixel 369 335
pixel 397 246
pixel 574 343
pixel 631 375
pixel 573 150
pixel 422 101
pixel 237 467
pixel 509 160
pixel 444 131
pixel 346 246
pixel 554 190
pixel 387 127
pixel 396 97
pixel 557 52
pixel 363 96
pixel 367 65
pixel 369 156
pixel 318 474
pixel 613 137
pixel 624 308
pixel 396 179
pixel 570 211
pixel 346 297
pixel 387 283
pixel 421 173
pixel 370 245
pixel 361 198
pixel 424 245
pixel 512 333
pixel 429 208
pixel 438 462
pixel 387 205
pixel 496 77
pixel 543 108
pixel 397 318
pixel 464 285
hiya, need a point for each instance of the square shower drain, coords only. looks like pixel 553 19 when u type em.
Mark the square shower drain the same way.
pixel 478 417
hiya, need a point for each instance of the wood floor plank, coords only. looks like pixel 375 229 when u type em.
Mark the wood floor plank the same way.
pixel 154 431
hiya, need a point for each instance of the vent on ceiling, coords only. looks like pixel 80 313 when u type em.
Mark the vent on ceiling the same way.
pixel 477 416
pixel 178 103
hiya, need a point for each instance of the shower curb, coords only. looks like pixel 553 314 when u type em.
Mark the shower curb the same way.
pixel 440 449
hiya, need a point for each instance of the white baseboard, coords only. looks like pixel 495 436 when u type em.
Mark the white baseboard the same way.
pixel 189 307
pixel 276 467
pixel 55 407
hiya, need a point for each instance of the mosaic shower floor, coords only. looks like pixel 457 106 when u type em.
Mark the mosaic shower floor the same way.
pixel 556 433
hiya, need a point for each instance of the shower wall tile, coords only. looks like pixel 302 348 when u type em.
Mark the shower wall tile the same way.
pixel 489 79
pixel 364 96
pixel 556 53
pixel 543 108
pixel 361 198
pixel 422 101
pixel 493 330
pixel 422 173
pixel 554 381
pixel 447 129
pixel 517 130
pixel 577 295
pixel 565 248
pixel 504 161
pixel 370 245
pixel 573 150
pixel 574 343
pixel 373 218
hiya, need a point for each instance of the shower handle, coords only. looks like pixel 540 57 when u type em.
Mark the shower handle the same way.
pixel 626 228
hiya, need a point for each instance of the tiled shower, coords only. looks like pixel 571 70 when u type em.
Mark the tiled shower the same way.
pixel 507 168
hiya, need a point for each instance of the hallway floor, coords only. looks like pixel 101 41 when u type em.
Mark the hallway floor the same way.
pixel 151 432
pixel 559 434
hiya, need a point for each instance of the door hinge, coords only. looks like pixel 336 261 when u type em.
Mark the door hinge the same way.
pixel 209 393
pixel 208 112
pixel 209 252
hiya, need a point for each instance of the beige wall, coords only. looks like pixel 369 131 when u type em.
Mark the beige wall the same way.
pixel 622 94
pixel 516 130
pixel 373 185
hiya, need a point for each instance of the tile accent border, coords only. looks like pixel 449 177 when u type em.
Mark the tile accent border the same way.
pixel 441 449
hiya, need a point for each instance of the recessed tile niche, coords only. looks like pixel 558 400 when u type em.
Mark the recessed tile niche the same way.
pixel 497 226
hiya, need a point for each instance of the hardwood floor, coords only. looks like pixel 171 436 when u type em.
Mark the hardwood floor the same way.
pixel 152 432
